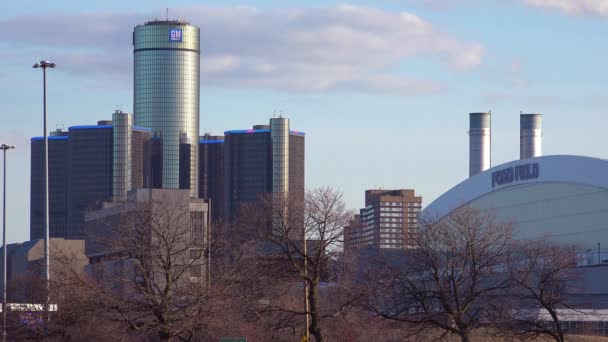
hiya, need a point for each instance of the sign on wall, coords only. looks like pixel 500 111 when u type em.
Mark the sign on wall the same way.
pixel 175 35
pixel 515 174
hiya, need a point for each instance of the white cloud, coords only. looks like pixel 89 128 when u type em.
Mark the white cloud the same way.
pixel 574 7
pixel 344 47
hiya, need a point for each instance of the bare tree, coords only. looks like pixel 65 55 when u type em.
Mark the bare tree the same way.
pixel 300 241
pixel 452 279
pixel 150 274
pixel 544 273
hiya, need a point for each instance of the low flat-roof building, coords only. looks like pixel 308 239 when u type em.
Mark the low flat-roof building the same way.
pixel 26 259
pixel 152 216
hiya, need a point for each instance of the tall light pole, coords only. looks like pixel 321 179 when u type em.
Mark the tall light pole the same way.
pixel 306 291
pixel 4 148
pixel 44 65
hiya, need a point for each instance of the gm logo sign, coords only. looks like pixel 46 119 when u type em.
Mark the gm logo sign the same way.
pixel 175 35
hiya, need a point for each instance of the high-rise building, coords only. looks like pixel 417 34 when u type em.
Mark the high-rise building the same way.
pixel 388 221
pixel 58 190
pixel 263 160
pixel 166 95
pixel 211 173
pixel 90 152
pixel 87 165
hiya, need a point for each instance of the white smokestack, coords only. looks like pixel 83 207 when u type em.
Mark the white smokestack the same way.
pixel 530 135
pixel 480 156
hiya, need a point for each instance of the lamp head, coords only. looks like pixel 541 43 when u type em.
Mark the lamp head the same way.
pixel 44 65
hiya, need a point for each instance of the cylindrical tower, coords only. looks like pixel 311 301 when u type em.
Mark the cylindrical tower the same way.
pixel 480 155
pixel 122 130
pixel 530 135
pixel 279 137
pixel 166 91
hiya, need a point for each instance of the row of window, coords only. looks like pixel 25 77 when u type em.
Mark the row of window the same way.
pixel 393 204
pixel 391 219
pixel 391 215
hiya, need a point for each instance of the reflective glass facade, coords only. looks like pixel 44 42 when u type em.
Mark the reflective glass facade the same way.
pixel 90 167
pixel 87 164
pixel 258 161
pixel 279 136
pixel 122 150
pixel 58 175
pixel 211 173
pixel 166 92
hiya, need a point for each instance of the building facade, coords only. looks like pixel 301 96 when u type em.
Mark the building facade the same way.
pixel 88 165
pixel 166 95
pixel 25 261
pixel 89 172
pixel 561 198
pixel 58 190
pixel 211 173
pixel 259 161
pixel 388 221
pixel 159 213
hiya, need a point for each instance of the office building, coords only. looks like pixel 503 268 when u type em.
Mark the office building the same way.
pixel 388 221
pixel 211 173
pixel 166 96
pixel 268 159
pixel 58 190
pixel 88 165
pixel 163 213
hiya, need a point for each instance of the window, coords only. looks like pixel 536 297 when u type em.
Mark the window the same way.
pixel 196 271
pixel 196 233
pixel 196 253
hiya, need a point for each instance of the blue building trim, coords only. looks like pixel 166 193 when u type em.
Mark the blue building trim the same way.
pixel 247 131
pixel 139 128
pixel 90 127
pixel 51 137
pixel 297 133
pixel 211 141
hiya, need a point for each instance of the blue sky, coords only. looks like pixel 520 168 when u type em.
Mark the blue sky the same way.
pixel 382 88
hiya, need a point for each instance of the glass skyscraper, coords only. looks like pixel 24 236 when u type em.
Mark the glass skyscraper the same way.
pixel 166 94
pixel 265 159
pixel 88 165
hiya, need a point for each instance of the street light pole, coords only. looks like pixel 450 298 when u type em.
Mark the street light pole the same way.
pixel 4 147
pixel 44 65
pixel 306 300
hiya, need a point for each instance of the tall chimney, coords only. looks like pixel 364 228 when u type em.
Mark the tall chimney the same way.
pixel 530 135
pixel 480 155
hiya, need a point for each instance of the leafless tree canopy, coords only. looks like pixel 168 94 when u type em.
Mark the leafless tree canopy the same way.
pixel 151 278
pixel 465 274
pixel 543 274
pixel 452 278
pixel 320 220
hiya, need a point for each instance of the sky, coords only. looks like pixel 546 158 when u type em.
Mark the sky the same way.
pixel 382 88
